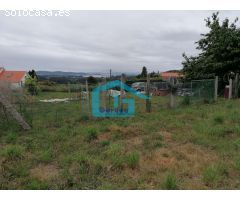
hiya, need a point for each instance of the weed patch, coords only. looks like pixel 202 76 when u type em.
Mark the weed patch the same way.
pixel 132 159
pixel 170 182
pixel 91 135
pixel 214 174
pixel 13 152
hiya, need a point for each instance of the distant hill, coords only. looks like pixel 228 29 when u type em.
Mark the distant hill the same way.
pixel 60 74
pixel 75 74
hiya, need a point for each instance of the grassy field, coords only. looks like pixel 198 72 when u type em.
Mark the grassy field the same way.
pixel 190 147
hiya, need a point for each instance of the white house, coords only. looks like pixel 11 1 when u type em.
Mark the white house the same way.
pixel 15 79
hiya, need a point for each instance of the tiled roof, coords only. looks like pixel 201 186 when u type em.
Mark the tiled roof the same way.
pixel 171 74
pixel 12 76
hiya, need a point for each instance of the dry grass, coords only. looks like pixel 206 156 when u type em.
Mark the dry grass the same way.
pixel 181 148
pixel 45 172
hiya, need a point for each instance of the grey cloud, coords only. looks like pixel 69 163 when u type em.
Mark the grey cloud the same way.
pixel 98 40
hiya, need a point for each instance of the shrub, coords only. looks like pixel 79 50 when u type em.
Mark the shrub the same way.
pixel 170 182
pixel 91 135
pixel 132 160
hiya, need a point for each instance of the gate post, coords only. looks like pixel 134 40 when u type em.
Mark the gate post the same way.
pixel 216 88
pixel 148 101
pixel 230 88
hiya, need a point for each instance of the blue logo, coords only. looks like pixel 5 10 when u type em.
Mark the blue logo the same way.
pixel 98 111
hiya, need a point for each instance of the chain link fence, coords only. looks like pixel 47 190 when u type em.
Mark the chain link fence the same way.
pixel 74 103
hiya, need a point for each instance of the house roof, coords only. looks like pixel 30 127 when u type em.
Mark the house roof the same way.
pixel 171 74
pixel 12 76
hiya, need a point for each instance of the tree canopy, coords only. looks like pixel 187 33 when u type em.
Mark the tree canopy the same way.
pixel 92 80
pixel 219 50
pixel 32 82
pixel 143 74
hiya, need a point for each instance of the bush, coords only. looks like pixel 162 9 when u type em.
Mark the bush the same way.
pixel 132 160
pixel 170 182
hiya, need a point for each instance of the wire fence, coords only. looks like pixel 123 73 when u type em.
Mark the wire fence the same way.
pixel 74 104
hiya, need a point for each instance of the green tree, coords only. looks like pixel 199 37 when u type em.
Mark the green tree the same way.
pixel 92 80
pixel 144 72
pixel 32 82
pixel 33 74
pixel 219 50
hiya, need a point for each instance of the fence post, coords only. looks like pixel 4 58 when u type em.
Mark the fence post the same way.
pixel 88 99
pixel 81 100
pixel 148 101
pixel 230 88
pixel 69 91
pixel 216 88
pixel 172 96
pixel 122 91
pixel 236 81
pixel 105 95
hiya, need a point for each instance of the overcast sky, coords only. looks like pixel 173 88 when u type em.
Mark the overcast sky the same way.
pixel 95 41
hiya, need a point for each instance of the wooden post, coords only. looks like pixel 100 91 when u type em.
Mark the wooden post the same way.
pixel 236 81
pixel 81 100
pixel 172 95
pixel 122 90
pixel 105 95
pixel 216 88
pixel 230 88
pixel 148 101
pixel 88 99
pixel 13 112
pixel 69 91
